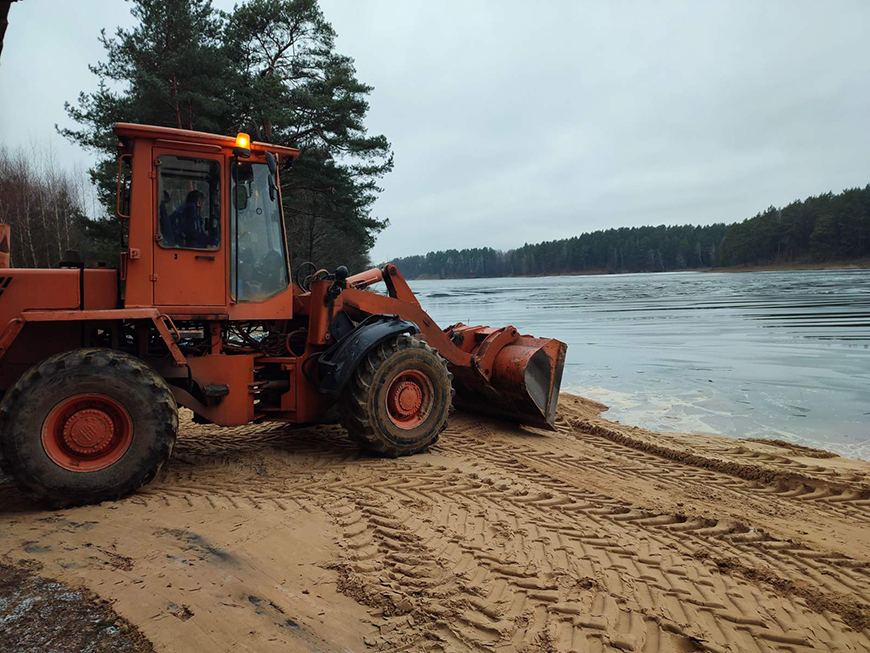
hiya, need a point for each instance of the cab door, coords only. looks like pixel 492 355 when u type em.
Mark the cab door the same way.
pixel 190 252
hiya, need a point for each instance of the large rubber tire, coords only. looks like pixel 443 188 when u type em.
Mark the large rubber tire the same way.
pixel 112 377
pixel 363 405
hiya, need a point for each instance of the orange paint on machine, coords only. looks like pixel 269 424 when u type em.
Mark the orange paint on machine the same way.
pixel 202 312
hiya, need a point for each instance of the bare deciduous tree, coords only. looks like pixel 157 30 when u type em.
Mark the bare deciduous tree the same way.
pixel 45 206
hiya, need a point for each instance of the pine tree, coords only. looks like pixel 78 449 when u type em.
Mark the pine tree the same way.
pixel 270 68
pixel 169 70
pixel 296 90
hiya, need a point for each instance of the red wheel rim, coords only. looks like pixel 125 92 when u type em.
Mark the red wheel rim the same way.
pixel 85 433
pixel 409 399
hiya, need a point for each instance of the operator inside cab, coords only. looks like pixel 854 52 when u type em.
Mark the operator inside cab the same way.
pixel 189 209
pixel 186 223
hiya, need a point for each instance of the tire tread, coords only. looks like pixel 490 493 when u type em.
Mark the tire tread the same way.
pixel 162 400
pixel 352 404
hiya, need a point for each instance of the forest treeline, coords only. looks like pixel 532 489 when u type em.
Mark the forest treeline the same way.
pixel 827 227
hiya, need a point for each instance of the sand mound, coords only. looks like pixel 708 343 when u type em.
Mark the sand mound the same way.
pixel 598 536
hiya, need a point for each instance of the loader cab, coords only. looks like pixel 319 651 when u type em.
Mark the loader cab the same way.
pixel 205 227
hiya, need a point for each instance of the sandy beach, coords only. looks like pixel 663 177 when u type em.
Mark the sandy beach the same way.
pixel 596 537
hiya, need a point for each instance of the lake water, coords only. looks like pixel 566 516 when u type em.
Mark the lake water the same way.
pixel 764 354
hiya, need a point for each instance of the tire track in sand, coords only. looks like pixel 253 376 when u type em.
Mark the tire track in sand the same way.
pixel 495 542
pixel 570 572
pixel 498 552
pixel 740 470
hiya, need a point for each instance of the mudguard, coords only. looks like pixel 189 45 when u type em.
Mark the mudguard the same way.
pixel 337 364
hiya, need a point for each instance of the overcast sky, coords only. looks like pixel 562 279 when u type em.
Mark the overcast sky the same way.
pixel 518 122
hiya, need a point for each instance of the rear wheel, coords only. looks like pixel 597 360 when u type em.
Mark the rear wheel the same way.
pixel 85 426
pixel 398 400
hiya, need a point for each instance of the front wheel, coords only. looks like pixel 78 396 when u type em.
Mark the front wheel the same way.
pixel 85 426
pixel 399 398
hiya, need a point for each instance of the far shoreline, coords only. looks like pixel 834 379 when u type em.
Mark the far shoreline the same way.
pixel 853 264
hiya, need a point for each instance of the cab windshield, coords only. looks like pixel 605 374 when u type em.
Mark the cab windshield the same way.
pixel 259 262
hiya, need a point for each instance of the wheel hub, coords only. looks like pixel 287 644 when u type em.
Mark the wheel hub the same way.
pixel 88 431
pixel 407 397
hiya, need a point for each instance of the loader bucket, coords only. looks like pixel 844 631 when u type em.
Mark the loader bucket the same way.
pixel 524 385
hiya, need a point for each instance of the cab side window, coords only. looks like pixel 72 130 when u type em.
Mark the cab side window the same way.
pixel 189 204
pixel 259 267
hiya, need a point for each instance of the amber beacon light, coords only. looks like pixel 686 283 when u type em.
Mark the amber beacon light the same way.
pixel 243 145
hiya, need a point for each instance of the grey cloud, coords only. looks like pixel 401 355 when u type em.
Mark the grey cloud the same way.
pixel 516 122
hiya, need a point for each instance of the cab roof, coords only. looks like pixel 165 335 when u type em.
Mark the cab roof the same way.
pixel 132 130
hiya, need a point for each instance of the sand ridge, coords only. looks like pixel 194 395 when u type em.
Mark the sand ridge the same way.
pixel 596 537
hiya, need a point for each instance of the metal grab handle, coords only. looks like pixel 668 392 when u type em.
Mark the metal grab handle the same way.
pixel 203 256
pixel 170 325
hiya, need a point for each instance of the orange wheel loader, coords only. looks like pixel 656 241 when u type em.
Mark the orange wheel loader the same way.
pixel 202 312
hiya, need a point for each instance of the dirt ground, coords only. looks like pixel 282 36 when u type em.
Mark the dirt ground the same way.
pixel 596 537
pixel 39 614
